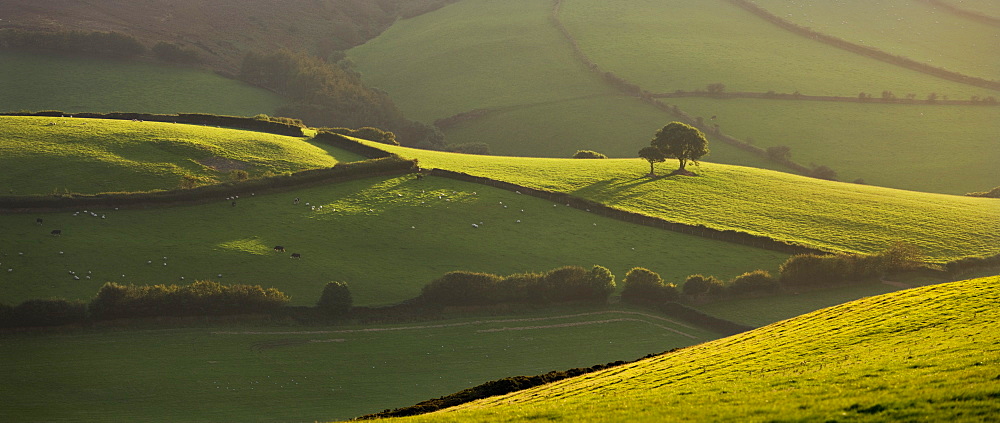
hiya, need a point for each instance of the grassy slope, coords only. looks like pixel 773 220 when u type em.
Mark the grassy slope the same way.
pixel 923 354
pixel 40 154
pixel 386 237
pixel 913 29
pixel 946 149
pixel 985 7
pixel 281 374
pixel 42 82
pixel 668 45
pixel 819 213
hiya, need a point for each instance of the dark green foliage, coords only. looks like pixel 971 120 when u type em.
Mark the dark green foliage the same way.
pixel 588 154
pixel 175 53
pixel 779 153
pixel 758 281
pixel 366 133
pixel 96 44
pixel 823 172
pixel 336 299
pixel 480 148
pixel 202 298
pixel 652 155
pixel 813 269
pixel 643 286
pixel 565 284
pixel 993 193
pixel 34 313
pixel 696 285
pixel 681 141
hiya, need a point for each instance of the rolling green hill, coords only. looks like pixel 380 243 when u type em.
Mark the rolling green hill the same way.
pixel 42 155
pixel 75 84
pixel 424 63
pixel 823 214
pixel 923 354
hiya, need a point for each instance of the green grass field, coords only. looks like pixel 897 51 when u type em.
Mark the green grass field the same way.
pixel 985 7
pixel 894 145
pixel 386 237
pixel 675 45
pixel 251 373
pixel 41 155
pixel 43 82
pixel 830 215
pixel 926 354
pixel 914 29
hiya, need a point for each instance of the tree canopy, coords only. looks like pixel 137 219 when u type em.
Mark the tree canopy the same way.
pixel 682 142
pixel 652 155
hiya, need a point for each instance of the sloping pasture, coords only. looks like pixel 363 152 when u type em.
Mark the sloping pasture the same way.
pixel 385 237
pixel 43 155
pixel 922 354
pixel 823 214
pixel 44 82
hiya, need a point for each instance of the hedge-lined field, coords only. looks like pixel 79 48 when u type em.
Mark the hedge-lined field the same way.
pixel 894 145
pixel 915 29
pixel 922 354
pixel 43 155
pixel 386 237
pixel 75 84
pixel 276 373
pixel 817 213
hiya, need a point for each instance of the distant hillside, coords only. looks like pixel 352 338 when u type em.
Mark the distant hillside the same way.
pixel 822 214
pixel 925 354
pixel 224 30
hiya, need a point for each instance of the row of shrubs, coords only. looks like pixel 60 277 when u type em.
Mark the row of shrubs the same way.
pixel 643 286
pixel 569 283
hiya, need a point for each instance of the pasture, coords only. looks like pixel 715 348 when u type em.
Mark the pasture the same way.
pixel 922 354
pixel 892 145
pixel 42 155
pixel 823 214
pixel 251 373
pixel 45 82
pixel 386 237
pixel 676 45
pixel 918 30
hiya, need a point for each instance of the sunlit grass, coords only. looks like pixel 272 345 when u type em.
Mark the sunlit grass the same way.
pixel 923 354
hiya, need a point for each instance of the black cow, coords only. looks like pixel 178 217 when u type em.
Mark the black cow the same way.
pixel 279 248
pixel 57 232
pixel 296 255
pixel 38 221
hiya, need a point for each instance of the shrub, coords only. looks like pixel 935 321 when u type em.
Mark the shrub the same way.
pixel 52 312
pixel 753 282
pixel 462 288
pixel 588 154
pixel 239 175
pixel 198 299
pixel 696 285
pixel 642 285
pixel 336 299
pixel 811 269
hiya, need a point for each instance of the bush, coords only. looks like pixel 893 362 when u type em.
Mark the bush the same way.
pixel 642 285
pixel 568 283
pixel 696 285
pixel 198 299
pixel 588 154
pixel 54 312
pixel 336 299
pixel 753 282
pixel 462 288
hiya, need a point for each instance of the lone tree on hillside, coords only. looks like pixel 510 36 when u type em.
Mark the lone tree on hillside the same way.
pixel 652 155
pixel 682 142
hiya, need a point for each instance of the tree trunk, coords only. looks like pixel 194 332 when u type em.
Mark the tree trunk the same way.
pixel 683 163
pixel 651 174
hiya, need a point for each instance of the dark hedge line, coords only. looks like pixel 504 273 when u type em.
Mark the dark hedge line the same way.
pixel 342 142
pixel 81 43
pixel 691 315
pixel 389 165
pixel 565 284
pixel 969 263
pixel 39 313
pixel 494 388
pixel 202 298
pixel 236 122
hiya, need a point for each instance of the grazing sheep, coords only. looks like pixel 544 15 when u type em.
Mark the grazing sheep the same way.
pixel 296 255
pixel 56 232
pixel 279 248
pixel 475 225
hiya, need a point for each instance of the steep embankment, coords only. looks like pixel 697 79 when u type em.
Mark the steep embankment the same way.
pixel 923 354
pixel 813 212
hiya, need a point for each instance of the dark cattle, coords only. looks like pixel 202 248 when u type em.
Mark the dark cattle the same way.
pixel 420 176
pixel 57 232
pixel 279 248
pixel 296 255
pixel 38 221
